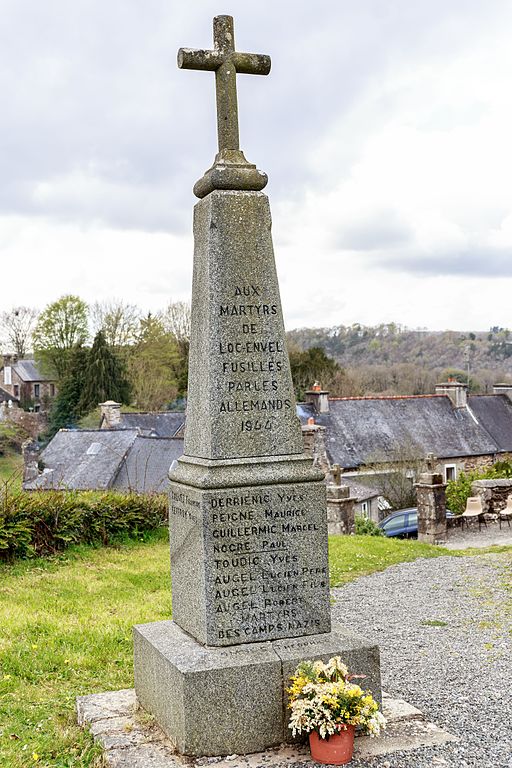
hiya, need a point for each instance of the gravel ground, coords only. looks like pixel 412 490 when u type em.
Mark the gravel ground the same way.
pixel 472 537
pixel 444 627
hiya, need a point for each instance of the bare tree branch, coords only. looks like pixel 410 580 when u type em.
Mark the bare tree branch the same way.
pixel 16 327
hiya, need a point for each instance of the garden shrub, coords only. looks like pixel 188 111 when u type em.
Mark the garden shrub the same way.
pixel 366 527
pixel 458 491
pixel 43 522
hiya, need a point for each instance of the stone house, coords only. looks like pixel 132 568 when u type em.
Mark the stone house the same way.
pixel 149 423
pixel 92 459
pixel 26 384
pixel 368 501
pixel 368 436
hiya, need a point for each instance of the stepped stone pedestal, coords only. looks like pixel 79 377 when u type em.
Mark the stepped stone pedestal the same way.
pixel 219 701
pixel 247 513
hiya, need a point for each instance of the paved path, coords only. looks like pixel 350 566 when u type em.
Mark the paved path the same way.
pixel 472 537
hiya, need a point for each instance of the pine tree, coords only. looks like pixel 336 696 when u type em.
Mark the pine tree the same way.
pixel 65 410
pixel 104 377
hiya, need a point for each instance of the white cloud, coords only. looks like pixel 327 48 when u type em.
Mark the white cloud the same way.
pixel 385 129
pixel 95 262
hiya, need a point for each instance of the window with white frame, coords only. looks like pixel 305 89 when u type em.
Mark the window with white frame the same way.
pixel 365 511
pixel 450 472
pixel 7 375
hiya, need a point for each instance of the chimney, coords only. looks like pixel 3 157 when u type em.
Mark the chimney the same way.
pixel 456 391
pixel 318 397
pixel 502 389
pixel 110 414
pixel 313 436
pixel 30 450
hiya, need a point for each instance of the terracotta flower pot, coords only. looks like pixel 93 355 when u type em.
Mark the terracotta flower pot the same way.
pixel 336 750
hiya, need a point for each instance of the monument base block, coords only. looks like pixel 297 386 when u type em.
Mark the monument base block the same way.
pixel 232 700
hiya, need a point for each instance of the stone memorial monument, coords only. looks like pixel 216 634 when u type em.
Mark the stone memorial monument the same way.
pixel 247 515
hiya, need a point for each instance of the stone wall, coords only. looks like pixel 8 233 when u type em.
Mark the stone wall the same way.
pixel 493 493
pixel 32 423
pixel 476 462
pixel 467 463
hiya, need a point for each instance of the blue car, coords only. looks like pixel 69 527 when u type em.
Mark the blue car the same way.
pixel 404 522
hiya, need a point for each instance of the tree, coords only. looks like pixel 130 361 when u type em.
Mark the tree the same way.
pixel 104 377
pixel 176 320
pixel 152 365
pixel 62 326
pixel 17 326
pixel 117 320
pixel 310 366
pixel 65 410
pixel 394 474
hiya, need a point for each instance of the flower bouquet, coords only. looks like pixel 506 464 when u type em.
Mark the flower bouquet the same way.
pixel 327 705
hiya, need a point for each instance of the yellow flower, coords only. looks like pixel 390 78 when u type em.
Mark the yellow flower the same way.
pixel 35 757
pixel 34 647
pixel 6 677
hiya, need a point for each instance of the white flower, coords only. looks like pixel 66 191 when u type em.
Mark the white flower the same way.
pixel 376 723
pixel 336 665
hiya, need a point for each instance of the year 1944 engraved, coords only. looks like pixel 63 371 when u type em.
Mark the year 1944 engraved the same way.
pixel 256 425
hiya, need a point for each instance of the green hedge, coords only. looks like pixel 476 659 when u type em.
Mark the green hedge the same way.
pixel 43 522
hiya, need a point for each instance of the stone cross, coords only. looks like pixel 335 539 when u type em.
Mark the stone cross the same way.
pixel 336 474
pixel 226 63
pixel 430 461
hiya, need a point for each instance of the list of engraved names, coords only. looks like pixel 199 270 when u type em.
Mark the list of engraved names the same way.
pixel 264 578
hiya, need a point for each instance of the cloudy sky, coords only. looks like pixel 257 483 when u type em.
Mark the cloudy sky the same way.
pixel 385 128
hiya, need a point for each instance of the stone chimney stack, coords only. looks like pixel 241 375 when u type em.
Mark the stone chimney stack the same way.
pixel 502 389
pixel 110 414
pixel 456 391
pixel 318 397
pixel 30 450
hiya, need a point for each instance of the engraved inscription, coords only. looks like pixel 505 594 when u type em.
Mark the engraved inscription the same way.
pixel 184 506
pixel 265 578
pixel 247 358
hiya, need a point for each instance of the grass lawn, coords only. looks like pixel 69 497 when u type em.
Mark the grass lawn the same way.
pixel 65 630
pixel 10 465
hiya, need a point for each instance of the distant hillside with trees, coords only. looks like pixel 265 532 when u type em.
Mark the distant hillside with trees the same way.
pixel 391 359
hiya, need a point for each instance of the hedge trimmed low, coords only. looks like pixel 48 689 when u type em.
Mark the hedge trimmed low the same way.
pixel 44 522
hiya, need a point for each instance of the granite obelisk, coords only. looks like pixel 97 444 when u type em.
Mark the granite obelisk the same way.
pixel 247 515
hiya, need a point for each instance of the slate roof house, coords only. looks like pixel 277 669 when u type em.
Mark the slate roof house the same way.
pixel 105 459
pixel 463 432
pixel 133 451
pixel 25 383
pixel 151 424
pixel 368 502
